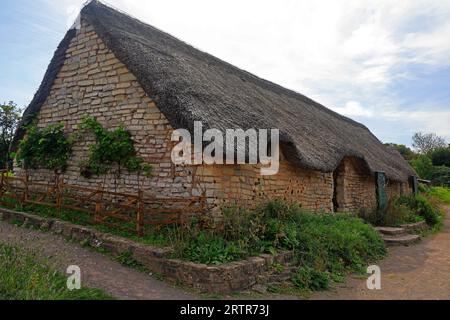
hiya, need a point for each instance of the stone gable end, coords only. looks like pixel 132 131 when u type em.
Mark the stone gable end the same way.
pixel 93 82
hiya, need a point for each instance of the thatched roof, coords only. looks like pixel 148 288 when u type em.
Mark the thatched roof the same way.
pixel 189 85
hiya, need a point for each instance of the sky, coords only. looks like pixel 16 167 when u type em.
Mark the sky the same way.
pixel 383 63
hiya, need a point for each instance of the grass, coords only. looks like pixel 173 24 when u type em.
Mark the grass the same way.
pixel 329 246
pixel 24 277
pixel 442 193
pixel 153 235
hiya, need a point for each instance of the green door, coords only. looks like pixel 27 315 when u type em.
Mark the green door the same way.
pixel 382 198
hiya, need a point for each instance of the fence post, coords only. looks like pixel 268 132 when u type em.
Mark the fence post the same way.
pixel 24 198
pixel 98 206
pixel 59 194
pixel 140 215
pixel 2 183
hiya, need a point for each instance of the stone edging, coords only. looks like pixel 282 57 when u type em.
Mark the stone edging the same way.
pixel 226 278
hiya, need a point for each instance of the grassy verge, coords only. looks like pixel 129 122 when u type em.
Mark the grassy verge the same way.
pixel 442 193
pixel 153 235
pixel 24 277
pixel 326 246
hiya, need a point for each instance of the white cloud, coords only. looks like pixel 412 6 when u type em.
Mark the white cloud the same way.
pixel 354 109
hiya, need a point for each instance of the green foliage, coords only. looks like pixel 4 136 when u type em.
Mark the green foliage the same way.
pixel 440 176
pixel 10 116
pixel 210 249
pixel 399 213
pixel 423 166
pixel 24 277
pixel 422 207
pixel 312 279
pixel 441 157
pixel 406 152
pixel 336 243
pixel 442 193
pixel 113 148
pixel 126 259
pixel 282 234
pixel 48 148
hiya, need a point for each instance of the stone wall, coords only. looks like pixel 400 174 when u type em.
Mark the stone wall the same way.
pixel 243 184
pixel 396 189
pixel 355 186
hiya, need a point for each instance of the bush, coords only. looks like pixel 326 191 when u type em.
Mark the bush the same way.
pixel 440 176
pixel 399 213
pixel 423 166
pixel 308 278
pixel 48 148
pixel 422 207
pixel 441 157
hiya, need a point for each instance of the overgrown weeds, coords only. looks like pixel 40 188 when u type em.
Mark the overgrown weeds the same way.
pixel 421 207
pixel 326 246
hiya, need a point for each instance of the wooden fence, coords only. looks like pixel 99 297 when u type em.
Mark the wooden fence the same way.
pixel 114 209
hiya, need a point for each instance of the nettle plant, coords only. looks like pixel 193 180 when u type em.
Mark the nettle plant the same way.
pixel 113 150
pixel 48 148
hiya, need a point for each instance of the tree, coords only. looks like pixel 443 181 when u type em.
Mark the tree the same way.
pixel 441 157
pixel 423 166
pixel 406 152
pixel 427 142
pixel 10 116
pixel 441 176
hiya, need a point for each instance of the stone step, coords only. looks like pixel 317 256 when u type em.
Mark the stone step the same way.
pixel 281 277
pixel 390 231
pixel 415 227
pixel 401 240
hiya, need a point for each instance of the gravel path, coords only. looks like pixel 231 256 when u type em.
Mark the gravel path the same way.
pixel 97 270
pixel 421 272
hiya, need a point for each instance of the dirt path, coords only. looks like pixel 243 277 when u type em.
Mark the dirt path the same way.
pixel 97 270
pixel 420 272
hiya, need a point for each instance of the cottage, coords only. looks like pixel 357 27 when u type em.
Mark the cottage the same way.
pixel 121 71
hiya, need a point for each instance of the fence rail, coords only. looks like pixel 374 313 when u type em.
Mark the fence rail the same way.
pixel 109 208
